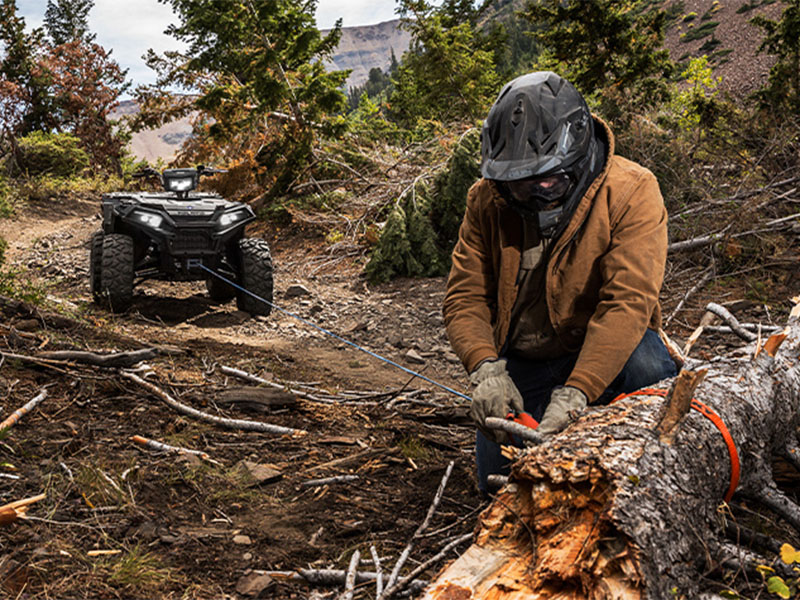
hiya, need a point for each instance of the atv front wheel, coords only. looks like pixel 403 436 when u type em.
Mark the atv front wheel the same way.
pixel 255 275
pixel 95 264
pixel 116 271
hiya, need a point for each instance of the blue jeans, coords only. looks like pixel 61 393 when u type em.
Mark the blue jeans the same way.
pixel 649 363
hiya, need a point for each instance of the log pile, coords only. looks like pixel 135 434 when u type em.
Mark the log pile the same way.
pixel 627 504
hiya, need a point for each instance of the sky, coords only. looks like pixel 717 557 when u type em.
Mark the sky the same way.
pixel 130 27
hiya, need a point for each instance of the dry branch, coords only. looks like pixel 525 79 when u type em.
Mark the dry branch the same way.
pixel 114 360
pixel 424 525
pixel 20 412
pixel 605 509
pixel 255 379
pixel 350 576
pixel 521 431
pixel 162 447
pixel 193 412
pixel 15 510
pixel 329 480
pixel 331 577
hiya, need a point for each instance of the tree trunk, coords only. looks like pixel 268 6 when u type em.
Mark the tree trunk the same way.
pixel 614 507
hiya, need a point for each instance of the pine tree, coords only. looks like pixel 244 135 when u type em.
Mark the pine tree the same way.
pixel 782 40
pixel 449 74
pixel 68 20
pixel 257 69
pixel 611 47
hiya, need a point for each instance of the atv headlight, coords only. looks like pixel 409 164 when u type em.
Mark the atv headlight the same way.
pixel 231 217
pixel 149 219
pixel 179 184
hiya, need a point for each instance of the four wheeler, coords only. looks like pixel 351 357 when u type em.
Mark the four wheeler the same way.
pixel 171 236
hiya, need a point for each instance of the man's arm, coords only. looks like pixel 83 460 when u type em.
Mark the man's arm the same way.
pixel 471 296
pixel 632 271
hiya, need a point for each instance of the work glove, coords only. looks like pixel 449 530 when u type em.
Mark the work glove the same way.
pixel 495 395
pixel 566 403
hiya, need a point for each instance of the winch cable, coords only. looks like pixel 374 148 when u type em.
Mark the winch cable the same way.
pixel 330 333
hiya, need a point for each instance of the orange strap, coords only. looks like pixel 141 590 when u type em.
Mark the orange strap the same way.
pixel 708 413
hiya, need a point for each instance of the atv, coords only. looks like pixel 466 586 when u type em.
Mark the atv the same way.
pixel 176 235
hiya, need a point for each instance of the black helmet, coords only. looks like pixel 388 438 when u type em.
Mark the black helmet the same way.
pixel 540 127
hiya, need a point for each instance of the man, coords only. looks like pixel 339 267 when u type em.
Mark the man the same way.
pixel 552 300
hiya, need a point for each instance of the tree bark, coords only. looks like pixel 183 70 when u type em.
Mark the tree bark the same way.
pixel 611 509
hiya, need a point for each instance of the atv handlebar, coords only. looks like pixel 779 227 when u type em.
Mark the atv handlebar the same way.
pixel 146 172
pixel 203 170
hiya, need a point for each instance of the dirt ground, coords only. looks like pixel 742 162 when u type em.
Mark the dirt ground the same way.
pixel 178 526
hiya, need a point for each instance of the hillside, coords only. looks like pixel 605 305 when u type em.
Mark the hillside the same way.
pixel 367 47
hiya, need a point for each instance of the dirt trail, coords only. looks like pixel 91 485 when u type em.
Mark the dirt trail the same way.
pixel 187 528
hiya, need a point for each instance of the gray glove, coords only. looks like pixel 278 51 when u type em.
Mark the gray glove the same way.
pixel 565 405
pixel 495 396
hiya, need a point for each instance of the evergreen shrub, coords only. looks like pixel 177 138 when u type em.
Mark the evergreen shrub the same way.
pixel 55 154
pixel 422 228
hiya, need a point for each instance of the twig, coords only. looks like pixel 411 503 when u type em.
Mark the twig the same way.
pixel 703 280
pixel 521 431
pixel 724 314
pixel 254 379
pixel 327 480
pixel 402 583
pixel 20 412
pixel 378 571
pixel 229 423
pixel 350 577
pixel 329 577
pixel 407 551
pixel 114 360
pixel 171 449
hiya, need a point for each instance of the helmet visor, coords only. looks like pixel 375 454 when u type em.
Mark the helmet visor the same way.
pixel 547 190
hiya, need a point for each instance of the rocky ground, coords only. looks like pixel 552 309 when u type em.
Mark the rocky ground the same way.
pixel 122 521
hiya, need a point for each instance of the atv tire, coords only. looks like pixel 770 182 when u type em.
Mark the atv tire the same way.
pixel 95 264
pixel 255 275
pixel 116 272
pixel 219 291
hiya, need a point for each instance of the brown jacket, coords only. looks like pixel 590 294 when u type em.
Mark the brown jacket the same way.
pixel 603 276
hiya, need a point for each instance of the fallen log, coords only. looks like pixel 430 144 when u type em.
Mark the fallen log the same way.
pixel 614 508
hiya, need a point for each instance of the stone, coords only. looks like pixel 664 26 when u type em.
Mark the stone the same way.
pixel 253 584
pixel 242 540
pixel 414 357
pixel 296 290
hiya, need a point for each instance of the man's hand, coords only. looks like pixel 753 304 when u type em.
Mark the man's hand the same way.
pixel 495 396
pixel 565 405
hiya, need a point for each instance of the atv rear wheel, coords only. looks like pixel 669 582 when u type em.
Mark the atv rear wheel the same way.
pixel 116 271
pixel 255 275
pixel 219 291
pixel 95 264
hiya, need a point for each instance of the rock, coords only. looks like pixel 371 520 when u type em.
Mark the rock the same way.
pixel 413 356
pixel 253 584
pixel 261 473
pixel 242 540
pixel 296 290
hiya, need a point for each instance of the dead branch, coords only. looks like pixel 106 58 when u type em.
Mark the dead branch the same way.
pixel 255 379
pixel 350 576
pixel 162 447
pixel 20 412
pixel 240 424
pixel 376 560
pixel 331 577
pixel 703 280
pixel 329 480
pixel 16 510
pixel 521 431
pixel 678 403
pixel 114 360
pixel 407 551
pixel 724 314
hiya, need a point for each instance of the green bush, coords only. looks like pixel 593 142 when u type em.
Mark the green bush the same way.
pixel 55 154
pixel 5 198
pixel 3 246
pixel 422 228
